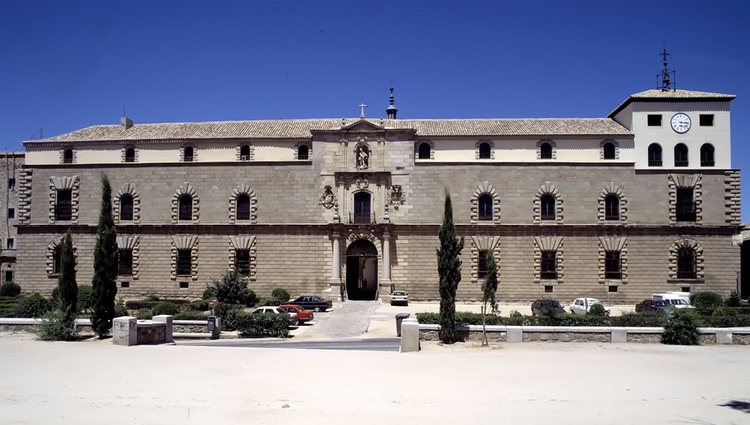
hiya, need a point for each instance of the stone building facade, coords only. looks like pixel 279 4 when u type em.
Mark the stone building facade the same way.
pixel 11 164
pixel 641 201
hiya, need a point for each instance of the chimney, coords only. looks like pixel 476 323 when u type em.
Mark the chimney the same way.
pixel 126 122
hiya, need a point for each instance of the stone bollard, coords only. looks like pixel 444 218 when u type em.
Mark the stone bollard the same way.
pixel 619 336
pixel 723 336
pixel 124 331
pixel 167 320
pixel 409 335
pixel 513 334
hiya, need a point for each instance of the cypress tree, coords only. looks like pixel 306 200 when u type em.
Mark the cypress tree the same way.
pixel 104 287
pixel 66 281
pixel 449 270
pixel 489 287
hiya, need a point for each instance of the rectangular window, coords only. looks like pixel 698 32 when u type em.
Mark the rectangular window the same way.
pixel 11 243
pixel 654 120
pixel 64 205
pixel 482 264
pixel 549 265
pixel 706 120
pixel 124 284
pixel 125 262
pixel 612 288
pixel 549 289
pixel 242 261
pixel 11 213
pixel 12 183
pixel 612 265
pixel 184 262
pixel 184 285
pixel 9 275
pixel 685 206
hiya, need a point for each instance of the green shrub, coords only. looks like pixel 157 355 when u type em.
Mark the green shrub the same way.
pixel 264 325
pixel 144 314
pixel 645 319
pixel 231 317
pixel 733 300
pixel 208 293
pixel 10 289
pixel 120 309
pixel 598 310
pixel 726 311
pixel 34 305
pixel 681 328
pixel 200 305
pixel 152 298
pixel 428 318
pixel 736 321
pixel 232 289
pixel 84 298
pixel 9 305
pixel 191 315
pixel 140 304
pixel 55 297
pixel 705 302
pixel 280 294
pixel 263 301
pixel 57 326
pixel 165 307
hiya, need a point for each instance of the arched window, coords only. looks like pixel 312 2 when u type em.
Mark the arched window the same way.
pixel 545 151
pixel 188 154
pixel 303 152
pixel 485 207
pixel 130 155
pixel 609 150
pixel 424 151
pixel 686 265
pixel 547 205
pixel 612 207
pixel 654 155
pixel 680 155
pixel 707 155
pixel 485 151
pixel 68 156
pixel 243 207
pixel 245 153
pixel 126 207
pixel 186 207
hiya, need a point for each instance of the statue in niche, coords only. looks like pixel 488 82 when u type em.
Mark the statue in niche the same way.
pixel 363 158
pixel 327 198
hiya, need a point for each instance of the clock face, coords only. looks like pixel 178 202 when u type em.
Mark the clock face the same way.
pixel 681 123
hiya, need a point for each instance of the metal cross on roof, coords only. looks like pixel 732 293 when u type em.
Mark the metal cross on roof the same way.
pixel 362 107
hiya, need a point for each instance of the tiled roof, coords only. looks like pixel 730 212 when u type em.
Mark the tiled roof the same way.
pixel 671 95
pixel 293 128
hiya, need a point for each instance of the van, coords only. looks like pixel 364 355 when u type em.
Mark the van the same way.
pixel 677 299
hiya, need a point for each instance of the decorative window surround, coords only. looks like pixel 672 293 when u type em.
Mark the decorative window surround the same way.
pixel 613 244
pixel 485 188
pixel 132 243
pixel 195 153
pixel 476 149
pixel 24 196
pixel 64 183
pixel 612 189
pixel 246 243
pixel 431 144
pixel 128 189
pixel 238 152
pixel 62 155
pixel 601 149
pixel 124 150
pixel 243 189
pixel 296 151
pixel 539 149
pixel 50 264
pixel 731 197
pixel 547 189
pixel 688 181
pixel 184 242
pixel 700 272
pixel 548 243
pixel 185 189
pixel 484 243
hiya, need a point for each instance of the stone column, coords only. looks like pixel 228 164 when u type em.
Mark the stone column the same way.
pixel 336 267
pixel 385 281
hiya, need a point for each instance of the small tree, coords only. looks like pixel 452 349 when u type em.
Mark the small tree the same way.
pixel 489 288
pixel 66 282
pixel 449 270
pixel 104 286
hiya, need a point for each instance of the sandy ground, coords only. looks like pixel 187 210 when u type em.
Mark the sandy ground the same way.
pixel 95 382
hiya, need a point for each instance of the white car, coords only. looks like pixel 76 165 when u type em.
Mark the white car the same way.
pixel 293 320
pixel 582 305
pixel 399 297
pixel 678 299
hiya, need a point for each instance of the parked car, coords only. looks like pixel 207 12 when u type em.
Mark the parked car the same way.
pixel 653 305
pixel 676 299
pixel 303 315
pixel 539 307
pixel 293 320
pixel 312 302
pixel 582 305
pixel 399 297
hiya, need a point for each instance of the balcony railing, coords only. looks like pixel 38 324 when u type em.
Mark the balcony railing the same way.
pixel 358 218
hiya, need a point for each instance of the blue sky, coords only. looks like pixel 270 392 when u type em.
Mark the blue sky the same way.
pixel 65 65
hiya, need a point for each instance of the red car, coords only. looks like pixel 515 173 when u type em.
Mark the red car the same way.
pixel 302 314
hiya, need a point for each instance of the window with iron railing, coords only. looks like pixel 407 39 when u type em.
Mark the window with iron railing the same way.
pixel 681 156
pixel 654 155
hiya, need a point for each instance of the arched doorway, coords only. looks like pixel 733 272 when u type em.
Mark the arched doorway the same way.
pixel 362 271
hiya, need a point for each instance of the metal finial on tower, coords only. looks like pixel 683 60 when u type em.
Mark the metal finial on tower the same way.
pixel 665 80
pixel 391 110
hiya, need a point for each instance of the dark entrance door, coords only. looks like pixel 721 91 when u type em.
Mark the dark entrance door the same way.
pixel 362 271
pixel 362 207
